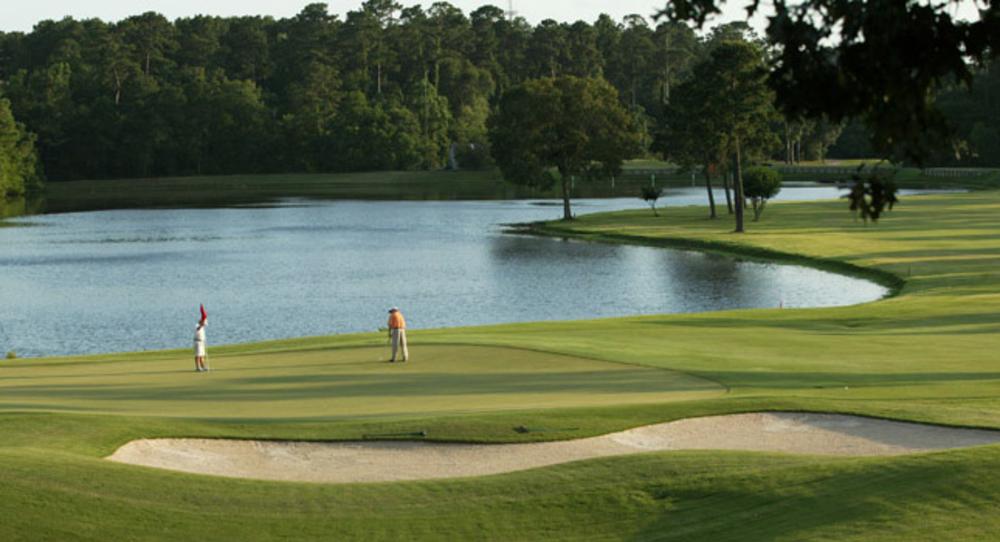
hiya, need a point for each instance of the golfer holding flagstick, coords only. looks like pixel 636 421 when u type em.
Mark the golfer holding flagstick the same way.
pixel 199 342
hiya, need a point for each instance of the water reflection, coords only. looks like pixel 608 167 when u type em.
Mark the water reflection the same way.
pixel 10 208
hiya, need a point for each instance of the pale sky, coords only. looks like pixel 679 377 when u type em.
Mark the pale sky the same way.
pixel 22 15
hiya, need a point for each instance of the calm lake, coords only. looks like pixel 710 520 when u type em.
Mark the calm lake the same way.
pixel 131 280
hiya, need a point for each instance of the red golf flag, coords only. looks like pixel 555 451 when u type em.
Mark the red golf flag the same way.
pixel 204 314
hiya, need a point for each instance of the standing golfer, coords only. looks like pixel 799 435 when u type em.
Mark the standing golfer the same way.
pixel 199 342
pixel 397 334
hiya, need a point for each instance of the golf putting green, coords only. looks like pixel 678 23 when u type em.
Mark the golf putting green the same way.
pixel 340 383
pixel 365 462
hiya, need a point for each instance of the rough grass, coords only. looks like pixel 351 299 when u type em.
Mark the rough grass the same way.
pixel 927 354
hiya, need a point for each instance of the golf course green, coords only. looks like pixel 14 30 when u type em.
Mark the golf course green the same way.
pixel 926 354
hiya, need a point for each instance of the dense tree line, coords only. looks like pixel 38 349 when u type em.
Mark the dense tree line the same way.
pixel 975 114
pixel 385 87
pixel 18 160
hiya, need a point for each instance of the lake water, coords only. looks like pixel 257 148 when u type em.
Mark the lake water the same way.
pixel 131 280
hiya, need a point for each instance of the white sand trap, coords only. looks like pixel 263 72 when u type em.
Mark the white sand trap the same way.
pixel 395 461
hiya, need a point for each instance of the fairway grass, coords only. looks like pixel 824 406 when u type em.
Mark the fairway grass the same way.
pixel 928 354
pixel 340 384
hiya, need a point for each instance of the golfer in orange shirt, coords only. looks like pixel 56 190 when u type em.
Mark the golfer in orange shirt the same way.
pixel 397 334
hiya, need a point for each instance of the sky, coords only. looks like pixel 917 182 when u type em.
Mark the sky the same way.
pixel 22 15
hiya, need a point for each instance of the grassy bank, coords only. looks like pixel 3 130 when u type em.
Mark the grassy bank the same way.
pixel 906 177
pixel 927 354
pixel 262 189
pixel 219 191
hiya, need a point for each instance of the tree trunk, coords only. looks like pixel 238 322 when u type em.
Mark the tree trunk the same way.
pixel 378 82
pixel 665 92
pixel 711 196
pixel 118 88
pixel 635 99
pixel 788 144
pixel 725 184
pixel 567 212
pixel 740 199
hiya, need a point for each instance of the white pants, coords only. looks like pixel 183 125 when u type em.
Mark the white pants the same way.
pixel 399 341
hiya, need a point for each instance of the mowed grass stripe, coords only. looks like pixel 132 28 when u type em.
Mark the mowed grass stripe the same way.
pixel 342 383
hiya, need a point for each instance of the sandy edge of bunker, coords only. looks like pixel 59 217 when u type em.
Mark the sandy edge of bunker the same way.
pixel 380 461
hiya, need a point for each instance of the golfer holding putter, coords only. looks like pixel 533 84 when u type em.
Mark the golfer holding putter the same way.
pixel 199 342
pixel 397 334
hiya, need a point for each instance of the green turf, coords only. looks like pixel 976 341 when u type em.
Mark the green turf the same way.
pixel 340 384
pixel 927 354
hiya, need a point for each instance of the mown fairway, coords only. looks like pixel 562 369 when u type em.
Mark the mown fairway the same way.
pixel 340 384
pixel 928 354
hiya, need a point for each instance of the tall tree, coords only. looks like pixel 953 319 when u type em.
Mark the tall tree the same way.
pixel 676 49
pixel 739 99
pixel 822 136
pixel 383 13
pixel 152 38
pixel 310 116
pixel 692 134
pixel 19 171
pixel 637 51
pixel 575 126
pixel 246 49
pixel 199 41
pixel 547 49
pixel 43 100
pixel 583 58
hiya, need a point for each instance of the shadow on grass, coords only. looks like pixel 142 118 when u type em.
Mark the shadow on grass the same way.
pixel 395 386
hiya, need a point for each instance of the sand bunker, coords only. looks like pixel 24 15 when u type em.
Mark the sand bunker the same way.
pixel 395 461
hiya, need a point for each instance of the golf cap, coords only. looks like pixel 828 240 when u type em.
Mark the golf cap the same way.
pixel 394 309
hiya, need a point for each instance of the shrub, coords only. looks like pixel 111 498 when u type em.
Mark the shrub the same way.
pixel 872 195
pixel 650 194
pixel 759 185
pixel 12 355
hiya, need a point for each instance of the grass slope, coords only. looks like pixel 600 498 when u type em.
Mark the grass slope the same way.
pixel 927 354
